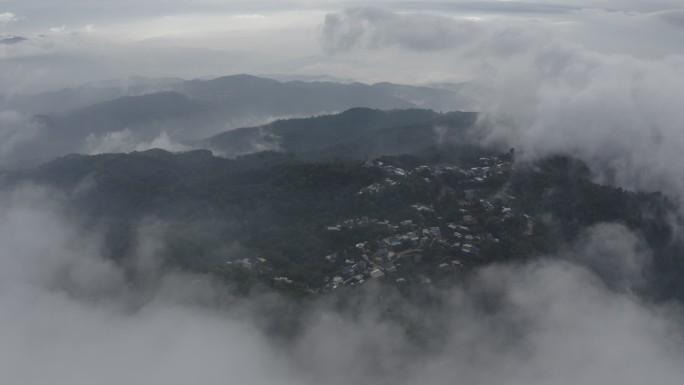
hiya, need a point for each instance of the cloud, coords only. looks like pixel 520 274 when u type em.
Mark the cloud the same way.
pixel 127 141
pixel 544 94
pixel 174 32
pixel 16 129
pixel 70 309
pixel 674 17
pixel 7 17
pixel 71 316
pixel 613 253
pixel 249 17
pixel 369 28
pixel 617 113
pixel 555 325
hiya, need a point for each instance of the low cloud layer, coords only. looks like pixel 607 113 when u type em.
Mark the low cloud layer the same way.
pixel 7 17
pixel 126 141
pixel 71 316
pixel 213 39
pixel 16 129
pixel 618 113
pixel 544 94
pixel 375 27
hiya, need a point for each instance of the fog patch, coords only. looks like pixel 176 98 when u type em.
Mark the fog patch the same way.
pixel 70 309
pixel 265 140
pixel 616 113
pixel 615 254
pixel 541 92
pixel 83 319
pixel 7 17
pixel 16 130
pixel 551 321
pixel 369 27
pixel 674 17
pixel 127 141
pixel 555 324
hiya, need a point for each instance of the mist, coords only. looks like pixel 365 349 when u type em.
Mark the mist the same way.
pixel 16 130
pixel 575 81
pixel 70 315
pixel 616 113
pixel 546 92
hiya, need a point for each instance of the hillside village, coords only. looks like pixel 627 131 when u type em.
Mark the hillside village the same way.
pixel 415 249
pixel 314 227
pixel 305 228
pixel 465 219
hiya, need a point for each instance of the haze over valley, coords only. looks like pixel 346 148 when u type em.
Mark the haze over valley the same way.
pixel 341 192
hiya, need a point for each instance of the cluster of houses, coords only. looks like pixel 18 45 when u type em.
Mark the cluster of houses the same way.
pixel 459 242
pixel 430 241
pixel 248 263
pixel 393 175
pixel 488 167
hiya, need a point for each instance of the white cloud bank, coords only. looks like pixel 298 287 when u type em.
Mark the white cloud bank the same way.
pixel 16 129
pixel 69 316
pixel 126 141
pixel 7 17
pixel 545 95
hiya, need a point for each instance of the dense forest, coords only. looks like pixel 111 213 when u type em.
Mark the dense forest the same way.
pixel 276 207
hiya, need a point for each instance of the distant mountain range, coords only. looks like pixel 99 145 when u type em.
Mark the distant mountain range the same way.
pixel 355 133
pixel 246 95
pixel 146 113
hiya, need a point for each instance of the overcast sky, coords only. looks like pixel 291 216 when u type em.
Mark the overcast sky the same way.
pixel 76 41
pixel 600 79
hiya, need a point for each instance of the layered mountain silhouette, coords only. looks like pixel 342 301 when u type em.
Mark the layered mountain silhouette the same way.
pixel 173 114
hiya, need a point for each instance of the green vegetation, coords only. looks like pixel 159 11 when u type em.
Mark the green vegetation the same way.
pixel 270 205
pixel 357 133
pixel 292 219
